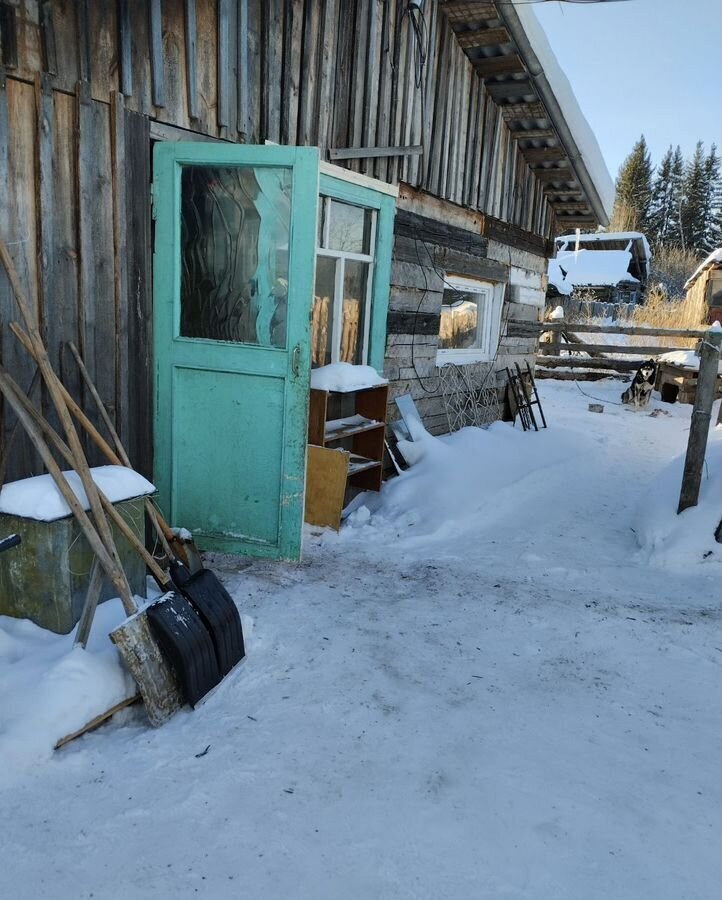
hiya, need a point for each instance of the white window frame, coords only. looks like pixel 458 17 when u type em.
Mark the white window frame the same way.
pixel 488 324
pixel 341 256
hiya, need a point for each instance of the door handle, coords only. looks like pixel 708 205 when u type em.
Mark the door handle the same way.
pixel 296 361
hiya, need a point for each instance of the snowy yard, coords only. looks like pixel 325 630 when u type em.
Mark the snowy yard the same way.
pixel 481 689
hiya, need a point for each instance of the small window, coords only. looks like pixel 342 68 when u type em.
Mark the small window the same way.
pixel 344 282
pixel 470 319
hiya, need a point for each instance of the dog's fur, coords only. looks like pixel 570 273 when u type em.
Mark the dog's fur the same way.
pixel 640 390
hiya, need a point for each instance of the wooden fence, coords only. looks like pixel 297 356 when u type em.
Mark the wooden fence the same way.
pixel 562 353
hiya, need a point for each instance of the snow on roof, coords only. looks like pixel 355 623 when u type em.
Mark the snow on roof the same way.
pixel 714 257
pixel 603 236
pixel 581 130
pixel 589 268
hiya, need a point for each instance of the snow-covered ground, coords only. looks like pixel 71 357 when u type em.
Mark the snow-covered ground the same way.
pixel 481 688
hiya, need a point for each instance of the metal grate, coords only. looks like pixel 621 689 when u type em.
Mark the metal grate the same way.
pixel 470 397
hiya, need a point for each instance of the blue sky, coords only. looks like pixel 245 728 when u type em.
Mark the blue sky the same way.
pixel 642 66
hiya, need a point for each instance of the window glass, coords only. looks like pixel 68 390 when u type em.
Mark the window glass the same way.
pixel 349 227
pixel 355 281
pixel 460 316
pixel 322 313
pixel 235 226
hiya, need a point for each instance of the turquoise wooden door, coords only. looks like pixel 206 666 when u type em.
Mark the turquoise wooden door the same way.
pixel 235 237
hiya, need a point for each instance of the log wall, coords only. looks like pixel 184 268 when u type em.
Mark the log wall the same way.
pixel 85 86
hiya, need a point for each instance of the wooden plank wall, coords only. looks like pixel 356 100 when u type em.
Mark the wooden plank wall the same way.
pixel 88 80
pixel 426 250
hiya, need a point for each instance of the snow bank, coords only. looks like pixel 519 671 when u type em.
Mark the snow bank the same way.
pixel 461 481
pixel 39 498
pixel 344 377
pixel 48 689
pixel 570 268
pixel 676 541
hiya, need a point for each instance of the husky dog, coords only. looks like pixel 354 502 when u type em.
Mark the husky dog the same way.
pixel 640 390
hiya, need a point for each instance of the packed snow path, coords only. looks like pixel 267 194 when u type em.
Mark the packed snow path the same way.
pixel 504 702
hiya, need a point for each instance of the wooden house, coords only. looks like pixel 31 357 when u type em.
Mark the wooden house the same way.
pixel 210 196
pixel 608 267
pixel 704 289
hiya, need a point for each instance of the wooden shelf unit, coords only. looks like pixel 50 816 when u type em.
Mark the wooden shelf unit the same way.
pixel 363 435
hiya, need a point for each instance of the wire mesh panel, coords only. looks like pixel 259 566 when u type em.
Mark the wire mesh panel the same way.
pixel 470 397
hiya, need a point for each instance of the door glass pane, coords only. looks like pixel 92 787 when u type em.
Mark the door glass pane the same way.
pixel 322 313
pixel 460 314
pixel 354 308
pixel 349 228
pixel 235 226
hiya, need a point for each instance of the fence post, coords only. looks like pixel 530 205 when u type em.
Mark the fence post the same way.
pixel 701 414
pixel 555 345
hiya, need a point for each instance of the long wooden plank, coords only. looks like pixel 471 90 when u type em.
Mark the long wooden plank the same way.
pixel 583 328
pixel 224 62
pixel 97 279
pixel 578 362
pixel 242 40
pixel 155 32
pixel 308 117
pixel 292 75
pixel 120 264
pixel 97 721
pixel 191 48
pixel 125 50
pixel 140 309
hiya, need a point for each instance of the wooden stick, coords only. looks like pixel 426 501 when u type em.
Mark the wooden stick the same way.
pixel 51 434
pixel 115 572
pixel 92 597
pixel 14 433
pixel 157 520
pixel 98 720
pixel 96 544
pixel 561 325
pixel 119 448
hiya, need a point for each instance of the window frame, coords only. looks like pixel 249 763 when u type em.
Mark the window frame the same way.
pixel 488 327
pixel 378 284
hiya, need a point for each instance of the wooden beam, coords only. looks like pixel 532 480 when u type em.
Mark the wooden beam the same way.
pixel 501 90
pixel 191 52
pixel 155 37
pixel 552 192
pixel 533 134
pixel 469 10
pixel 554 175
pixel 543 154
pixel 513 111
pixel 125 48
pixel 582 328
pixel 576 206
pixel 482 37
pixel 580 362
pixel 369 152
pixel 498 65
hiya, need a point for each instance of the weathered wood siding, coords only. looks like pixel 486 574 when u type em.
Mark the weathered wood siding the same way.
pixel 427 248
pixel 92 82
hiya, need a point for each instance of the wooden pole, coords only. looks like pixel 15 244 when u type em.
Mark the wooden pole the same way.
pixel 701 414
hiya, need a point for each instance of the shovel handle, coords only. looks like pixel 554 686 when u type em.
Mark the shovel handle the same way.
pixel 62 448
pixel 114 572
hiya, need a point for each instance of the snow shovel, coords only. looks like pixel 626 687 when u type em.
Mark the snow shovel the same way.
pixel 179 629
pixel 202 587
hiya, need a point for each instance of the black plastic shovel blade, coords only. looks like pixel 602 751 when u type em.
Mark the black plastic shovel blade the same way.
pixel 217 610
pixel 185 641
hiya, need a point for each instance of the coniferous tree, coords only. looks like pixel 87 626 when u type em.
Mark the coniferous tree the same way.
pixel 634 187
pixel 661 207
pixel 713 211
pixel 695 200
pixel 674 233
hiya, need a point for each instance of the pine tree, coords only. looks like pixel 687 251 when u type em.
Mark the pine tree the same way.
pixel 695 200
pixel 634 188
pixel 663 220
pixel 661 209
pixel 713 211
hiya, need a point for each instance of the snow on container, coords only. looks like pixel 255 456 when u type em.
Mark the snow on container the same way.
pixel 45 578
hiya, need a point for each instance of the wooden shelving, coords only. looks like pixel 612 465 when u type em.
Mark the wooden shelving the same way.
pixel 353 421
